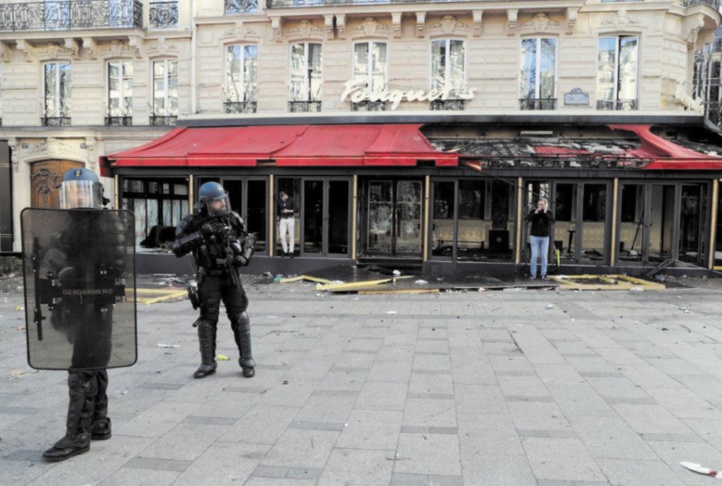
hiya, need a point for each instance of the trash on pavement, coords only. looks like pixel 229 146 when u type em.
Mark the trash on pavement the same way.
pixel 223 357
pixel 161 345
pixel 701 470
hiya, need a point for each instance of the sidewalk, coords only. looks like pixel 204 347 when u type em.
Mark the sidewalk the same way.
pixel 518 387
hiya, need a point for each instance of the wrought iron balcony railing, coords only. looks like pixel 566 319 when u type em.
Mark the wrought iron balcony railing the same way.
pixel 163 121
pixel 240 106
pixel 304 106
pixel 617 105
pixel 71 15
pixel 163 15
pixel 55 121
pixel 538 104
pixel 369 106
pixel 715 4
pixel 447 105
pixel 118 121
pixel 241 6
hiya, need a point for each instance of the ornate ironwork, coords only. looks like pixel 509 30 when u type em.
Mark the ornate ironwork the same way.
pixel 240 106
pixel 538 104
pixel 163 15
pixel 304 106
pixel 163 121
pixel 70 15
pixel 369 106
pixel 715 4
pixel 448 105
pixel 241 6
pixel 118 121
pixel 617 105
pixel 56 121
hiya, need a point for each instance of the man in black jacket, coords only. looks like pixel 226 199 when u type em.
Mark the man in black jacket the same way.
pixel 286 209
pixel 541 220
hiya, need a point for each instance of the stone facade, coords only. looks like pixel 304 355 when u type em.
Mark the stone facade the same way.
pixel 669 33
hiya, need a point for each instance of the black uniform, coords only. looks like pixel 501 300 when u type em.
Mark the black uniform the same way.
pixel 88 251
pixel 219 245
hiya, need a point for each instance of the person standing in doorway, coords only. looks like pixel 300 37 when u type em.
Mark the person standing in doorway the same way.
pixel 541 219
pixel 286 209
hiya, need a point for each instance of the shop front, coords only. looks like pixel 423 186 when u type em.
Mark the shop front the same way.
pixel 393 196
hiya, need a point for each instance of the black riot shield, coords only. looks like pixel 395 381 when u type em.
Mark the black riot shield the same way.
pixel 79 271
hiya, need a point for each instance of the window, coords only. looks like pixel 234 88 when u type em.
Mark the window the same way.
pixel 537 80
pixel 448 73
pixel 158 206
pixel 472 194
pixel 617 73
pixel 56 109
pixel 241 6
pixel 241 79
pixel 370 70
pixel 165 92
pixel 306 77
pixel 119 104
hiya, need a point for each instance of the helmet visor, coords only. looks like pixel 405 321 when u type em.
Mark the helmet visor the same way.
pixel 219 206
pixel 81 194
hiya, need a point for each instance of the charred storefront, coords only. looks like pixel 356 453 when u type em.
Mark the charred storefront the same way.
pixel 437 197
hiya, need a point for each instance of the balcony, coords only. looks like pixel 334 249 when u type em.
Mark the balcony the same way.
pixel 55 121
pixel 369 106
pixel 447 105
pixel 163 121
pixel 304 106
pixel 528 104
pixel 617 105
pixel 118 121
pixel 715 4
pixel 233 7
pixel 163 15
pixel 59 15
pixel 240 106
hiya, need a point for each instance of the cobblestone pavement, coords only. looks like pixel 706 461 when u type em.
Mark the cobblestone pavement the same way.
pixel 517 387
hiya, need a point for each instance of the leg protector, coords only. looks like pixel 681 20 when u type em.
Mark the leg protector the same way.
pixel 81 392
pixel 207 341
pixel 100 427
pixel 241 326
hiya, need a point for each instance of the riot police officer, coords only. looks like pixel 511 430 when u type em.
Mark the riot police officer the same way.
pixel 218 240
pixel 77 278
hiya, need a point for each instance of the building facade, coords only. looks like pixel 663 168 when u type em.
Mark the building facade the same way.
pixel 410 133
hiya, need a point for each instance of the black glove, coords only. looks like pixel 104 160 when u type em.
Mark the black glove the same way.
pixel 213 228
pixel 240 261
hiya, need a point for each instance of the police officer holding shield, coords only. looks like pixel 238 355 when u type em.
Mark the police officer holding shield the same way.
pixel 76 279
pixel 217 238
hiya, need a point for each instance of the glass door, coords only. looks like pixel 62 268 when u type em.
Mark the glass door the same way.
pixel 395 217
pixel 326 216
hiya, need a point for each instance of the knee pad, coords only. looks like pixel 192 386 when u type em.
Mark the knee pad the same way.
pixel 242 322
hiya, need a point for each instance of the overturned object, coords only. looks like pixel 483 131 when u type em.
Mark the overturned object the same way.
pixel 702 470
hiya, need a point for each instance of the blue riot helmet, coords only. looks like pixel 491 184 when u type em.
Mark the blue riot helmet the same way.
pixel 214 198
pixel 81 188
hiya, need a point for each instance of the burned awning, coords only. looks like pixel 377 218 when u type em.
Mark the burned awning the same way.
pixel 287 145
pixel 645 151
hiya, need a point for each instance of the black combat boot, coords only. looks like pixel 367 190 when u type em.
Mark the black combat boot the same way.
pixel 207 341
pixel 100 426
pixel 80 411
pixel 242 335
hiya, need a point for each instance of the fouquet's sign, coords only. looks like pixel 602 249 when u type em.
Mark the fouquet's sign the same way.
pixel 357 92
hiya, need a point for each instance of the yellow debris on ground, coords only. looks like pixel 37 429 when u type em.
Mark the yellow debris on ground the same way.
pixel 346 286
pixel 603 282
pixel 152 296
pixel 309 278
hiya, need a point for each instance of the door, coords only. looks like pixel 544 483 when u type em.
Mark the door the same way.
pixel 45 177
pixel 394 217
pixel 326 216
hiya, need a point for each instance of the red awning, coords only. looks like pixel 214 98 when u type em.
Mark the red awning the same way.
pixel 665 154
pixel 287 145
